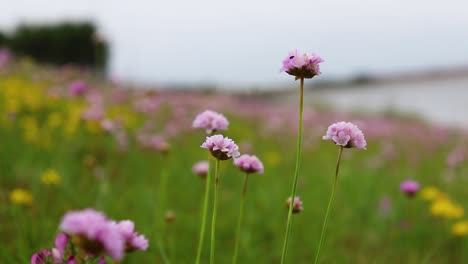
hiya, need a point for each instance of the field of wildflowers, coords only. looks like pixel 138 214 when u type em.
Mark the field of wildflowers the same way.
pixel 78 151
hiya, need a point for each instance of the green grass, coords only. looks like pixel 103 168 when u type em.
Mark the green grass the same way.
pixel 130 189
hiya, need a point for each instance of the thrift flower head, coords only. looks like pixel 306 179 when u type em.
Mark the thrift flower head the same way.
pixel 221 147
pixel 77 88
pixel 409 187
pixel 210 121
pixel 302 65
pixel 133 240
pixel 249 164
pixel 346 134
pixel 460 228
pixel 50 177
pixel 169 216
pixel 21 196
pixel 297 206
pixel 94 233
pixel 201 168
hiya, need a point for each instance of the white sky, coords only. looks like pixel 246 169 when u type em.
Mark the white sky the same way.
pixel 244 42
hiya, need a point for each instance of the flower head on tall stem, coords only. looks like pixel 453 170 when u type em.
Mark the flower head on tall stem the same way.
pixel 346 134
pixel 220 147
pixel 201 168
pixel 210 121
pixel 302 65
pixel 297 205
pixel 249 164
pixel 410 187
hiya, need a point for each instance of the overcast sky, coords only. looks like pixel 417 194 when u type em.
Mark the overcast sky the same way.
pixel 243 42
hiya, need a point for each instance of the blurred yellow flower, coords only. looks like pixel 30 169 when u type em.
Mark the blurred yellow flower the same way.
pixel 460 228
pixel 430 193
pixel 50 177
pixel 445 208
pixel 273 158
pixel 21 196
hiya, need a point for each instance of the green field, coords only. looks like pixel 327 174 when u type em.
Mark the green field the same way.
pixel 372 221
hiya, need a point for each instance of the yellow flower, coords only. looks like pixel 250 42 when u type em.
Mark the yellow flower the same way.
pixel 21 196
pixel 430 193
pixel 443 207
pixel 273 158
pixel 460 228
pixel 50 177
pixel 54 120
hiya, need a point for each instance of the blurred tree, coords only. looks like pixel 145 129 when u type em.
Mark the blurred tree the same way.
pixel 68 42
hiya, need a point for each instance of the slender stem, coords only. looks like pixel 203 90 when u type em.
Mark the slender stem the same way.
pixel 296 173
pixel 239 222
pixel 215 206
pixel 204 212
pixel 332 196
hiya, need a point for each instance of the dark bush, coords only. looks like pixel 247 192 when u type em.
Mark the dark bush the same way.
pixel 64 43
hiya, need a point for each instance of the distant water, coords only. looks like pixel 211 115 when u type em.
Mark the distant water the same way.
pixel 441 101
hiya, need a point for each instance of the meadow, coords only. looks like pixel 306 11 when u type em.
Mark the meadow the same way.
pixel 129 153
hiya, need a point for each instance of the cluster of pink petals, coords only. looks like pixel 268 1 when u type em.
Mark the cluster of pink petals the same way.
pixel 346 134
pixel 201 168
pixel 210 121
pixel 456 157
pixel 56 254
pixel 297 205
pixel 100 233
pixel 410 187
pixel 153 142
pixel 77 88
pixel 249 164
pixel 302 65
pixel 5 57
pixel 221 147
pixel 133 240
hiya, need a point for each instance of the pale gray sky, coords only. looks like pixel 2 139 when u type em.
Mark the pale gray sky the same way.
pixel 243 42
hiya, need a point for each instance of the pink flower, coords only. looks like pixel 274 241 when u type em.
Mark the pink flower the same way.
pixel 302 65
pixel 5 57
pixel 221 147
pixel 133 240
pixel 249 164
pixel 210 121
pixel 346 134
pixel 297 206
pixel 410 187
pixel 77 88
pixel 201 168
pixel 95 232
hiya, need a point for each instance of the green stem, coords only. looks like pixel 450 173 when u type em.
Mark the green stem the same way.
pixel 239 222
pixel 215 206
pixel 332 196
pixel 204 212
pixel 296 174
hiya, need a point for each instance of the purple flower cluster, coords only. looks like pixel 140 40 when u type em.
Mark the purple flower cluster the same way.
pixel 221 147
pixel 57 254
pixel 410 187
pixel 302 65
pixel 249 164
pixel 347 135
pixel 297 205
pixel 210 121
pixel 77 88
pixel 201 168
pixel 96 235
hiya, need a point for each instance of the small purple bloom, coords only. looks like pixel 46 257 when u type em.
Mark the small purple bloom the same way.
pixel 221 147
pixel 297 206
pixel 346 134
pixel 133 240
pixel 210 121
pixel 249 164
pixel 302 65
pixel 95 232
pixel 410 187
pixel 77 88
pixel 201 168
